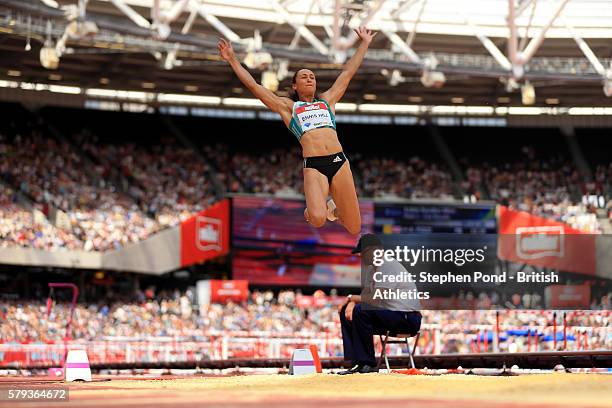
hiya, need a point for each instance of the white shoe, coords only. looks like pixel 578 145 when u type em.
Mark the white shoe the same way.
pixel 331 210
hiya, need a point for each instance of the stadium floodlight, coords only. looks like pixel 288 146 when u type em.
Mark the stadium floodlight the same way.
pixel 518 71
pixel 269 80
pixel 48 56
pixel 430 77
pixel 257 60
pixel 607 85
pixel 607 88
pixel 163 30
pixel 528 95
pixel 433 79
pixel 28 46
pixel 50 3
pixel 71 12
pixel 394 77
pixel 511 84
pixel 81 29
pixel 283 69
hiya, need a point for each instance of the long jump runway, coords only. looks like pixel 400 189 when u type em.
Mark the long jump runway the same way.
pixel 375 390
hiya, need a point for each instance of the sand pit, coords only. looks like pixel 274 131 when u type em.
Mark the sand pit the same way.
pixel 394 390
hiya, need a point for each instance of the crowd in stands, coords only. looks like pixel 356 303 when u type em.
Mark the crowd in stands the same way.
pixel 170 182
pixel 545 186
pixel 29 227
pixel 414 178
pixel 109 195
pixel 277 172
pixel 52 175
pixel 175 315
pixel 602 184
pixel 98 195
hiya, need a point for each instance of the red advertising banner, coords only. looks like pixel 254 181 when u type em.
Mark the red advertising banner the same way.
pixel 511 221
pixel 528 239
pixel 206 235
pixel 568 296
pixel 222 291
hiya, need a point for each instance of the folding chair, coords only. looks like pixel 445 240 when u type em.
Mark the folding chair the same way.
pixel 398 338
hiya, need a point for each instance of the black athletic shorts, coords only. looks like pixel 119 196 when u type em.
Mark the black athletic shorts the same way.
pixel 326 165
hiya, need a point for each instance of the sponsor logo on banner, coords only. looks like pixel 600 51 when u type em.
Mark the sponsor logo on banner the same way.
pixel 543 242
pixel 208 233
pixel 205 235
pixel 230 290
pixel 539 242
pixel 568 296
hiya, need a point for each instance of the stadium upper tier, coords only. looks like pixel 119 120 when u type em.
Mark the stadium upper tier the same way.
pixel 104 186
pixel 484 53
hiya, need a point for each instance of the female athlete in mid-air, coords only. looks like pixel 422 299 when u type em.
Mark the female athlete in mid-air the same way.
pixel 311 118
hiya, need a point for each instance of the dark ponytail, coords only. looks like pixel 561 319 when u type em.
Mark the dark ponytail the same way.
pixel 293 93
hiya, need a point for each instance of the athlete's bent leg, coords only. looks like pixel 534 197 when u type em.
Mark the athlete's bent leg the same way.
pixel 344 195
pixel 316 190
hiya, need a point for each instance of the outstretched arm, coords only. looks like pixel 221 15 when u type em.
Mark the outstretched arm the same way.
pixel 271 100
pixel 335 93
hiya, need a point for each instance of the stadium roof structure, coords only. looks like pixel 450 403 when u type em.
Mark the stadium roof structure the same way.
pixel 427 52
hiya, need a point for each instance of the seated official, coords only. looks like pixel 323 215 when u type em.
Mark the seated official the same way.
pixel 361 318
